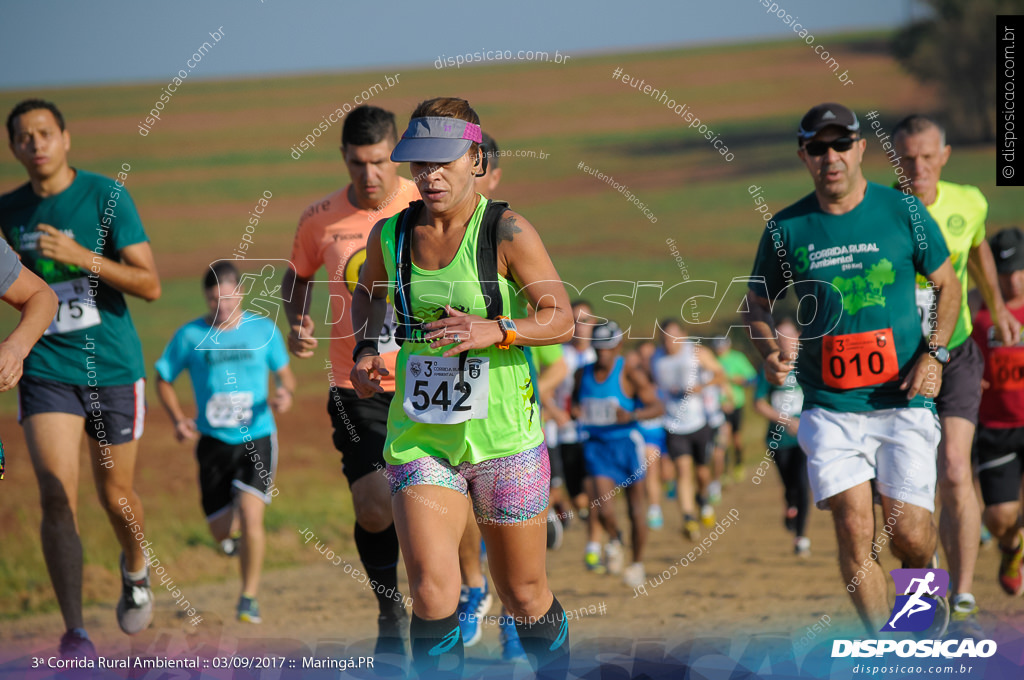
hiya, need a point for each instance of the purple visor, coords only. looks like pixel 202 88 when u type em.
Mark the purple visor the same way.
pixel 435 140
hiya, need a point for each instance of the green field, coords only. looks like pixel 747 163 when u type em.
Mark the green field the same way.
pixel 220 145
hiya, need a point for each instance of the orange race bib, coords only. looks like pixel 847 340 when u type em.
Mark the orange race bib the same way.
pixel 859 359
pixel 1006 368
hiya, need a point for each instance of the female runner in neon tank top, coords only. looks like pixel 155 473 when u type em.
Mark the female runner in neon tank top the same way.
pixel 464 418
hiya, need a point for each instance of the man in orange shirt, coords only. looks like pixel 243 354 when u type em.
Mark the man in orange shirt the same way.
pixel 332 232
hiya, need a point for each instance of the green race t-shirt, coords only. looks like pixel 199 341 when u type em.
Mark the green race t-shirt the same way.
pixel 92 340
pixel 736 365
pixel 854 275
pixel 960 211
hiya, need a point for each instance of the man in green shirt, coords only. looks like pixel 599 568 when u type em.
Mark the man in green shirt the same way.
pixel 960 210
pixel 854 248
pixel 80 233
pixel 741 374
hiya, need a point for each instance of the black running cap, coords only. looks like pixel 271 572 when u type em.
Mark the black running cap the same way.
pixel 824 115
pixel 1008 250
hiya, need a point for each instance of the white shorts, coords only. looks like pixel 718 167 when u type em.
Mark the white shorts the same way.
pixel 896 447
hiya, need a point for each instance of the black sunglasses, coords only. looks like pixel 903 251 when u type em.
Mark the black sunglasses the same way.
pixel 821 148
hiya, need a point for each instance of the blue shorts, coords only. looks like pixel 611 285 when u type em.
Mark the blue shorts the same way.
pixel 622 459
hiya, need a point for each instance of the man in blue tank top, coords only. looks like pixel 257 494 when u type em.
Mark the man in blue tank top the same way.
pixel 612 395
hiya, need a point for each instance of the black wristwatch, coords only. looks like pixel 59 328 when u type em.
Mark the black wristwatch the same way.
pixel 363 344
pixel 941 355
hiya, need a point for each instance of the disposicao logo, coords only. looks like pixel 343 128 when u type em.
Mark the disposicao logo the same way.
pixel 914 610
pixel 918 592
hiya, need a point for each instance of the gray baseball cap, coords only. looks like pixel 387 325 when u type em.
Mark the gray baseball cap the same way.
pixel 606 335
pixel 435 140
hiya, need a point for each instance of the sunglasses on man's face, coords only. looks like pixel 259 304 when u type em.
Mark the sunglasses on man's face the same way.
pixel 821 148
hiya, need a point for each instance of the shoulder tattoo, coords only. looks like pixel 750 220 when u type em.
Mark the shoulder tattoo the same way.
pixel 507 228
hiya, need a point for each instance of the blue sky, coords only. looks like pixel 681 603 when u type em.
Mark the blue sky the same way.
pixel 53 42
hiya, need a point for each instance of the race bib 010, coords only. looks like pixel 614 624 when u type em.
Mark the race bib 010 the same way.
pixel 439 392
pixel 859 359
pixel 76 309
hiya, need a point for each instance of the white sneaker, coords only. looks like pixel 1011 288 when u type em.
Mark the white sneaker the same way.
pixel 634 575
pixel 802 548
pixel 614 557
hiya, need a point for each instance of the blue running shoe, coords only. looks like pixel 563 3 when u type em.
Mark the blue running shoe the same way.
pixel 511 647
pixel 474 603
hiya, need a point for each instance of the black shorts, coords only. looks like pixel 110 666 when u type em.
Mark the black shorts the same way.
pixel 225 469
pixel 557 469
pixel 960 394
pixel 360 430
pixel 574 468
pixel 998 453
pixel 113 415
pixel 735 419
pixel 697 445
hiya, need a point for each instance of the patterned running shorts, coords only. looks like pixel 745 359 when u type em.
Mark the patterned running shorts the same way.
pixel 506 490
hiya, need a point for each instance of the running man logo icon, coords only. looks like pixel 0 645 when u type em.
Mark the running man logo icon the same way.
pixel 917 595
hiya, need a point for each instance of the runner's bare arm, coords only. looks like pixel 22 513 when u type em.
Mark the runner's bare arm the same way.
pixel 982 266
pixel 296 308
pixel 285 380
pixel 37 303
pixel 134 275
pixel 644 390
pixel 523 258
pixel 762 333
pixel 184 427
pixel 369 305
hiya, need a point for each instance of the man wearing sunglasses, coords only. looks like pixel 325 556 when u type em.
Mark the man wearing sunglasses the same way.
pixel 960 211
pixel 851 250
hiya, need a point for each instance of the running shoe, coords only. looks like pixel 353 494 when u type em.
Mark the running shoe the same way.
pixel 392 631
pixel 707 516
pixel 615 557
pixel 670 489
pixel 1011 567
pixel 511 647
pixel 75 644
pixel 135 608
pixel 634 575
pixel 691 528
pixel 802 547
pixel 248 610
pixel 555 531
pixel 715 492
pixel 963 619
pixel 592 560
pixel 655 520
pixel 474 603
pixel 231 544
